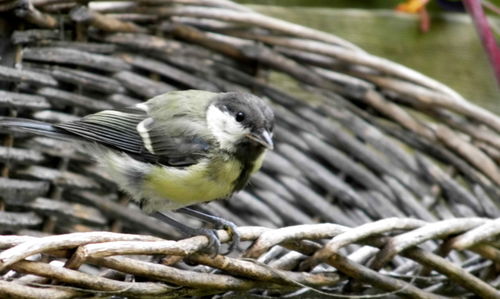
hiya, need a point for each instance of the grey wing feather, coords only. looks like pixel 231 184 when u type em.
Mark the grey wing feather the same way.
pixel 108 129
pixel 180 150
pixel 118 130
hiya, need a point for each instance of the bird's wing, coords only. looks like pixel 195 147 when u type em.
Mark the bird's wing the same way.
pixel 138 134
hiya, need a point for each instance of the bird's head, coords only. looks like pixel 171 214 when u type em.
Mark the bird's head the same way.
pixel 237 119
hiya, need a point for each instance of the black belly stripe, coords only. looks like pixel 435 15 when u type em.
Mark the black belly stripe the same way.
pixel 247 153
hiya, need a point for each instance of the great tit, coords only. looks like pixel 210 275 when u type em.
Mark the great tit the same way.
pixel 174 150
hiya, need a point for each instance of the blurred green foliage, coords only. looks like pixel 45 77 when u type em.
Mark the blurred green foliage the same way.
pixel 364 4
pixel 326 3
pixel 450 52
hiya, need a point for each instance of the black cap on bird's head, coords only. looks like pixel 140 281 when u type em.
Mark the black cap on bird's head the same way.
pixel 236 118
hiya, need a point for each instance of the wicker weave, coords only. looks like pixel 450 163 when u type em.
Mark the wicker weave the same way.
pixel 358 139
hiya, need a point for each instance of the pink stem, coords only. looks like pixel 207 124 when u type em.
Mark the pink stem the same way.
pixel 479 18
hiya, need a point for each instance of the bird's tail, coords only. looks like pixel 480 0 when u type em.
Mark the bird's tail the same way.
pixel 25 125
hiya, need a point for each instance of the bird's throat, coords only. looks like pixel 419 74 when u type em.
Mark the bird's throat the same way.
pixel 250 155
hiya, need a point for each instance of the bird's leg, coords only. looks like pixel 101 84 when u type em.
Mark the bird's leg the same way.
pixel 213 239
pixel 218 222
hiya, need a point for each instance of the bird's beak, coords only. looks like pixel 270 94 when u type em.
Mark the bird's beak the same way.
pixel 264 137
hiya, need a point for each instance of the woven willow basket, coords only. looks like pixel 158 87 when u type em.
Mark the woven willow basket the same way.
pixel 383 181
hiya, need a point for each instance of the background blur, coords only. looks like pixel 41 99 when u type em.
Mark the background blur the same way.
pixel 450 51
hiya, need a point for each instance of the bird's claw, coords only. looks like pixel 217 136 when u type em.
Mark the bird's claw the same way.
pixel 217 222
pixel 232 231
pixel 213 239
pixel 214 243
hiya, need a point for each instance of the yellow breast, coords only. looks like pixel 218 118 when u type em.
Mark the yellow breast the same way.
pixel 204 181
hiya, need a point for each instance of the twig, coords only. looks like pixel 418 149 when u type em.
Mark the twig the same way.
pixel 17 290
pixel 103 22
pixel 477 235
pixel 371 277
pixel 420 235
pixel 90 282
pixel 252 18
pixel 35 246
pixel 460 276
pixel 488 39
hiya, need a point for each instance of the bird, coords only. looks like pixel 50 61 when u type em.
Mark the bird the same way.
pixel 175 150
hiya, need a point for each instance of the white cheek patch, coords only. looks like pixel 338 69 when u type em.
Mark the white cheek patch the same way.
pixel 225 128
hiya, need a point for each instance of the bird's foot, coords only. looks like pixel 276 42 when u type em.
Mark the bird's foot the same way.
pixel 219 223
pixel 214 243
pixel 232 231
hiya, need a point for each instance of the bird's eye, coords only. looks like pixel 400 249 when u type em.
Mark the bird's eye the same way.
pixel 240 116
